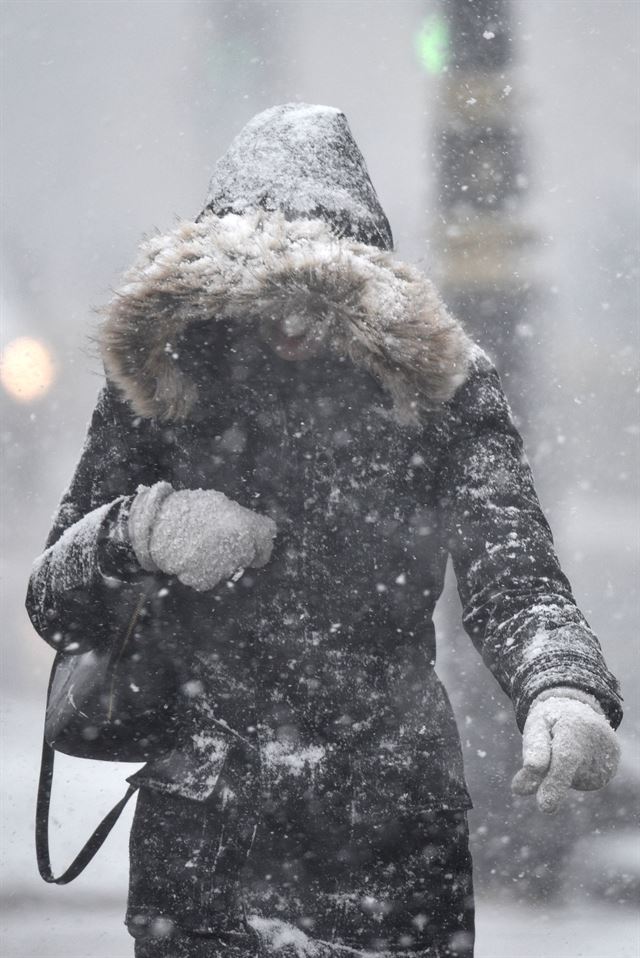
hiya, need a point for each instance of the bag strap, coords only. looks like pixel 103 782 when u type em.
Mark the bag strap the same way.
pixel 94 843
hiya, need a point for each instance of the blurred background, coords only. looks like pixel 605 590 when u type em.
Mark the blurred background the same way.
pixel 502 137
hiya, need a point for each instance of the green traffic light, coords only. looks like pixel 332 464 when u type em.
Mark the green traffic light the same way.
pixel 431 44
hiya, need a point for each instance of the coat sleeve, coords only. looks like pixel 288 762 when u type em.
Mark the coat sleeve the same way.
pixel 74 587
pixel 518 607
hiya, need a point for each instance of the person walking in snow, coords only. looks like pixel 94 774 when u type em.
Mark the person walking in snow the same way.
pixel 293 437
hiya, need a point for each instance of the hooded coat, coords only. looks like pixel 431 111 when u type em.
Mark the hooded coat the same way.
pixel 378 459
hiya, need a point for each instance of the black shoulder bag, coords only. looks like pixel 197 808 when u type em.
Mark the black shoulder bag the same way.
pixel 116 705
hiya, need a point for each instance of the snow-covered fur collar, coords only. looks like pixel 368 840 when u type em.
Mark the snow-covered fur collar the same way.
pixel 383 314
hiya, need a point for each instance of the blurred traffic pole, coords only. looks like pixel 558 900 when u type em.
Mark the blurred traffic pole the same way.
pixel 480 233
pixel 482 247
pixel 245 55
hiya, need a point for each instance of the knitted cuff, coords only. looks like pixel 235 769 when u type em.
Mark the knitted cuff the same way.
pixel 566 692
pixel 116 558
pixel 142 516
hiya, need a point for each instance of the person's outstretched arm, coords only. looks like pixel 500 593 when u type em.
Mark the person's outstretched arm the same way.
pixel 518 607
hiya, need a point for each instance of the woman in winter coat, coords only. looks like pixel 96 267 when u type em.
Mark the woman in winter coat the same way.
pixel 293 436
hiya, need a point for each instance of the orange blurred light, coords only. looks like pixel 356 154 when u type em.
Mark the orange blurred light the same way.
pixel 26 369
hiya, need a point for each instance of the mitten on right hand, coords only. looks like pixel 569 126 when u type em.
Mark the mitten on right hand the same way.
pixel 199 535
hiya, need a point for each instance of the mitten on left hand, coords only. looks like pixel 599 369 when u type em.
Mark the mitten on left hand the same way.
pixel 567 743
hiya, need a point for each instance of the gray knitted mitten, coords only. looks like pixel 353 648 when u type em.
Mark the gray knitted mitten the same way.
pixel 198 535
pixel 567 743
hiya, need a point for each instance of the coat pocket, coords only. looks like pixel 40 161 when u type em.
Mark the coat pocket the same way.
pixel 186 857
pixel 416 763
pixel 191 770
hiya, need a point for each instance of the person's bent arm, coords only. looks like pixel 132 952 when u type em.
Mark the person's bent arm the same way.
pixel 74 585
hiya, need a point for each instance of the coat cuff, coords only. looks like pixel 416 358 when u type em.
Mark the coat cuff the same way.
pixel 142 516
pixel 116 559
pixel 568 672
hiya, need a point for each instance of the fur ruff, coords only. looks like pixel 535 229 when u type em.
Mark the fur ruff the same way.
pixel 383 314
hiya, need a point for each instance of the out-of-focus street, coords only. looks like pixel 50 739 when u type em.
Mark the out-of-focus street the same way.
pixel 504 931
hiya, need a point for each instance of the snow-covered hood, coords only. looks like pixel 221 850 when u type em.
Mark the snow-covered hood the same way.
pixel 292 229
pixel 301 159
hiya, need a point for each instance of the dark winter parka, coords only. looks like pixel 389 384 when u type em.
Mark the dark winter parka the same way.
pixel 377 460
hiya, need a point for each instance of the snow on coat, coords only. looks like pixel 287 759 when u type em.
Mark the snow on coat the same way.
pixel 377 460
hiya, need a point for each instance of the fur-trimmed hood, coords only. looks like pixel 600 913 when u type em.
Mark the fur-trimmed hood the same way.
pixel 292 230
pixel 382 313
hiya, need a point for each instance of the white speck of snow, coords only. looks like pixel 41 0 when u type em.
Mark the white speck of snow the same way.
pixel 488 35
pixel 226 795
pixel 193 688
